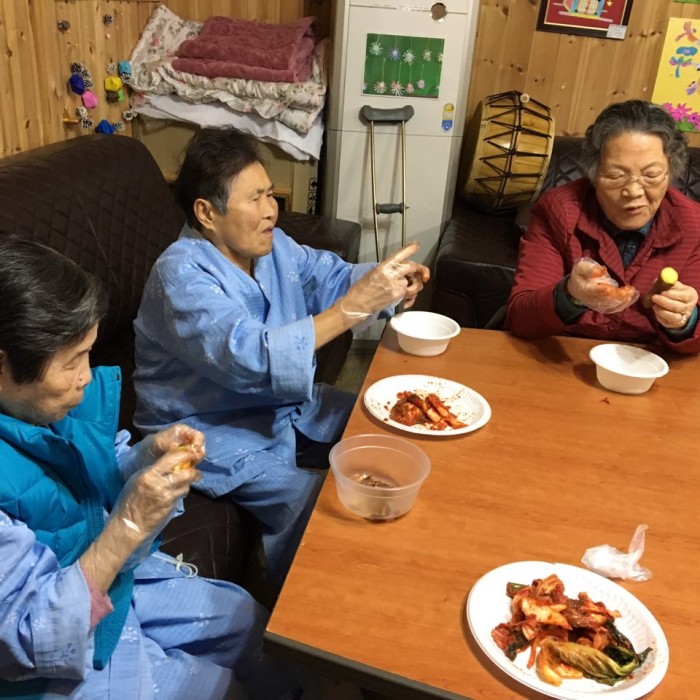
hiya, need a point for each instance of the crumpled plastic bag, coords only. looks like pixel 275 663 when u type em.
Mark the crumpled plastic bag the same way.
pixel 608 561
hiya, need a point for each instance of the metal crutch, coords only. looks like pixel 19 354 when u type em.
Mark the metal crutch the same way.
pixel 388 116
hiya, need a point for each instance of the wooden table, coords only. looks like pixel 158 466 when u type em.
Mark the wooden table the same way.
pixel 562 466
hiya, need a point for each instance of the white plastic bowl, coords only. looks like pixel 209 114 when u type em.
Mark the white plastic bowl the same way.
pixel 423 332
pixel 378 477
pixel 625 368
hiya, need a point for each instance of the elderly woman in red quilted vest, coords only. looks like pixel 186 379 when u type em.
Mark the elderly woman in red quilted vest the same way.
pixel 595 246
pixel 88 607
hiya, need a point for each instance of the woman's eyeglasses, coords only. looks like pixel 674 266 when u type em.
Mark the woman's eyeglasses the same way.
pixel 614 180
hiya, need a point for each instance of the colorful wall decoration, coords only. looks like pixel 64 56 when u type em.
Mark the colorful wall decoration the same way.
pixel 677 85
pixel 402 66
pixel 587 17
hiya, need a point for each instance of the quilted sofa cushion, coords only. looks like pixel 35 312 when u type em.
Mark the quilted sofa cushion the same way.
pixel 102 201
pixel 337 235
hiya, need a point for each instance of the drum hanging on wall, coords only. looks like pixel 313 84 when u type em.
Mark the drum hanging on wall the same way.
pixel 507 150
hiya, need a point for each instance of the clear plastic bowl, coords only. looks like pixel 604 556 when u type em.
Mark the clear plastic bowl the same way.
pixel 424 332
pixel 626 368
pixel 378 477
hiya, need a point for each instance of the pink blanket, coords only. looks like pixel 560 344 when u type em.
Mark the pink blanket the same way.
pixel 238 48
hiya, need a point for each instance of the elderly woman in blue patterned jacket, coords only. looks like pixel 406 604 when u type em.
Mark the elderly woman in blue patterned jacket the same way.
pixel 88 608
pixel 226 337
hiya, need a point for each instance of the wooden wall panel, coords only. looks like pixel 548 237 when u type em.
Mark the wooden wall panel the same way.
pixel 574 76
pixel 489 51
pixel 263 10
pixel 548 73
pixel 20 125
pixel 521 18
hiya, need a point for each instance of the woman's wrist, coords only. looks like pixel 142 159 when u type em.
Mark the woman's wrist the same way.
pixel 569 296
pixel 331 323
pixel 350 317
pixel 349 314
pixel 574 300
pixel 564 306
pixel 104 558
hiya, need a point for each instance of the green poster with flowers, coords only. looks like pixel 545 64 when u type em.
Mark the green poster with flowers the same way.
pixel 399 66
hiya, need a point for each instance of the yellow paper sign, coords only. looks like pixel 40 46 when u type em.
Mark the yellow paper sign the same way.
pixel 677 85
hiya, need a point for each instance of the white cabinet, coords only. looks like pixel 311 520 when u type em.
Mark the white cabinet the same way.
pixel 365 34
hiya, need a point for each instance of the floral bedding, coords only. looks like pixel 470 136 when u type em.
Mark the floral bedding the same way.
pixel 295 105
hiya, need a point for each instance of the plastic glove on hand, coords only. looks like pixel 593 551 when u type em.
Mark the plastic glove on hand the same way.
pixel 384 285
pixel 416 278
pixel 149 496
pixel 182 439
pixel 590 284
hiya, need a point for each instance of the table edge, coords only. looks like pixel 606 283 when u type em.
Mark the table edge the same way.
pixel 367 677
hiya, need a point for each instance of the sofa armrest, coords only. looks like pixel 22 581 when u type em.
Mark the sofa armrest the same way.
pixel 522 218
pixel 474 266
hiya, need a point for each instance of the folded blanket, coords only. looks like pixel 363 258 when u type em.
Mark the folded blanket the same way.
pixel 252 31
pixel 295 105
pixel 210 68
pixel 236 48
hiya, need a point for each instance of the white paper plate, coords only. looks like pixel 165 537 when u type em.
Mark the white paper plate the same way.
pixel 488 606
pixel 468 406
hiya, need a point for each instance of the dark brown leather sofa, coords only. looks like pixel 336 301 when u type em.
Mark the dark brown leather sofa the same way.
pixel 478 250
pixel 102 201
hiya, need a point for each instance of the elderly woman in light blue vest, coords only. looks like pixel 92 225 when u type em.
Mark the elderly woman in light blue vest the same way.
pixel 88 607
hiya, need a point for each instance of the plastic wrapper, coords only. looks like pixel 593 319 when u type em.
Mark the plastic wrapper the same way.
pixel 612 563
pixel 590 284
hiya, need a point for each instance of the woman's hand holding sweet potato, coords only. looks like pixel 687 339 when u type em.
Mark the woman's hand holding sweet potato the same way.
pixel 674 306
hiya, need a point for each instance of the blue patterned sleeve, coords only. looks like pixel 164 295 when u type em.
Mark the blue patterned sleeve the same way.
pixel 222 334
pixel 325 276
pixel 44 610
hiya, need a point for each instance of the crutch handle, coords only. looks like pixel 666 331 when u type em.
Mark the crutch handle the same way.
pixel 396 114
pixel 395 208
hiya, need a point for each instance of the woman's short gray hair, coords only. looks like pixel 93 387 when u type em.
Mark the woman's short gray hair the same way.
pixel 636 116
pixel 48 304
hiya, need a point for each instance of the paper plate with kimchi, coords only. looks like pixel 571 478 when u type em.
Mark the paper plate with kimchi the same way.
pixel 425 405
pixel 592 608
